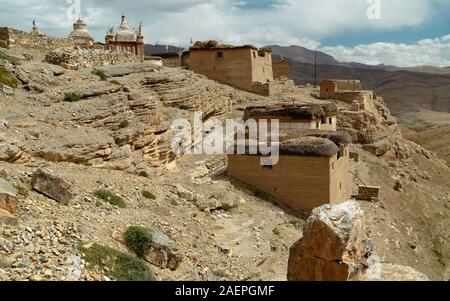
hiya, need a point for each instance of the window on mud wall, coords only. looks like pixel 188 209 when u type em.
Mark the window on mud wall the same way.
pixel 220 55
pixel 318 125
pixel 332 166
pixel 330 120
pixel 254 54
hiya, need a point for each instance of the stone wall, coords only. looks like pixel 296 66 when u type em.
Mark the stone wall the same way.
pixel 74 59
pixel 299 182
pixel 272 88
pixel 350 96
pixel 13 37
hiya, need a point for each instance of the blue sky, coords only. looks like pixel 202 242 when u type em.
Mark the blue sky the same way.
pixel 421 28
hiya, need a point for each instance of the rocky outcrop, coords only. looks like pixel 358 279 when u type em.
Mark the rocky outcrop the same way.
pixel 164 252
pixel 52 186
pixel 371 124
pixel 129 68
pixel 335 247
pixel 189 91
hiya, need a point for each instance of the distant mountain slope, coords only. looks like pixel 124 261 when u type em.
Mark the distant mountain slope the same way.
pixel 155 49
pixel 418 97
pixel 303 55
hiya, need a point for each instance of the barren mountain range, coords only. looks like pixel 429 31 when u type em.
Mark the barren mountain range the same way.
pixel 417 96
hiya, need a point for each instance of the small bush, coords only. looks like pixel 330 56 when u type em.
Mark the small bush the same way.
pixel 398 186
pixel 148 195
pixel 276 232
pixel 71 97
pixel 118 266
pixel 295 224
pixel 3 45
pixel 138 240
pixel 184 107
pixel 21 190
pixel 144 174
pixel 115 82
pixel 110 197
pixel 194 201
pixel 273 248
pixel 100 73
pixel 123 124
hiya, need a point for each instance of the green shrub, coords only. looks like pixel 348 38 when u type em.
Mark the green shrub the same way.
pixel 295 224
pixel 184 107
pixel 21 190
pixel 273 248
pixel 7 78
pixel 144 174
pixel 100 73
pixel 124 123
pixel 398 186
pixel 3 44
pixel 110 197
pixel 138 240
pixel 148 195
pixel 71 97
pixel 118 266
pixel 115 82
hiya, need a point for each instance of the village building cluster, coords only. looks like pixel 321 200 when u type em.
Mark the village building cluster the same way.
pixel 314 159
pixel 314 164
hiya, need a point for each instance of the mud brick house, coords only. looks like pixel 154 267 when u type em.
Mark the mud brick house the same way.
pixel 313 170
pixel 302 116
pixel 344 90
pixel 243 67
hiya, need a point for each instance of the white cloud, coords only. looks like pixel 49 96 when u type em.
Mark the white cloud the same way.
pixel 259 22
pixel 435 52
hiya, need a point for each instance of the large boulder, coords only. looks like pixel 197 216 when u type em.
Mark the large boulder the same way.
pixel 333 247
pixel 52 186
pixel 9 197
pixel 164 252
pixel 336 247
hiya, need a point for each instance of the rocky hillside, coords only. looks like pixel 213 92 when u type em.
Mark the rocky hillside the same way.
pixel 417 96
pixel 85 155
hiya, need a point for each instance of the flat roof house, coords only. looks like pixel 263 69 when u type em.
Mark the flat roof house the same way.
pixel 244 67
pixel 301 116
pixel 313 170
